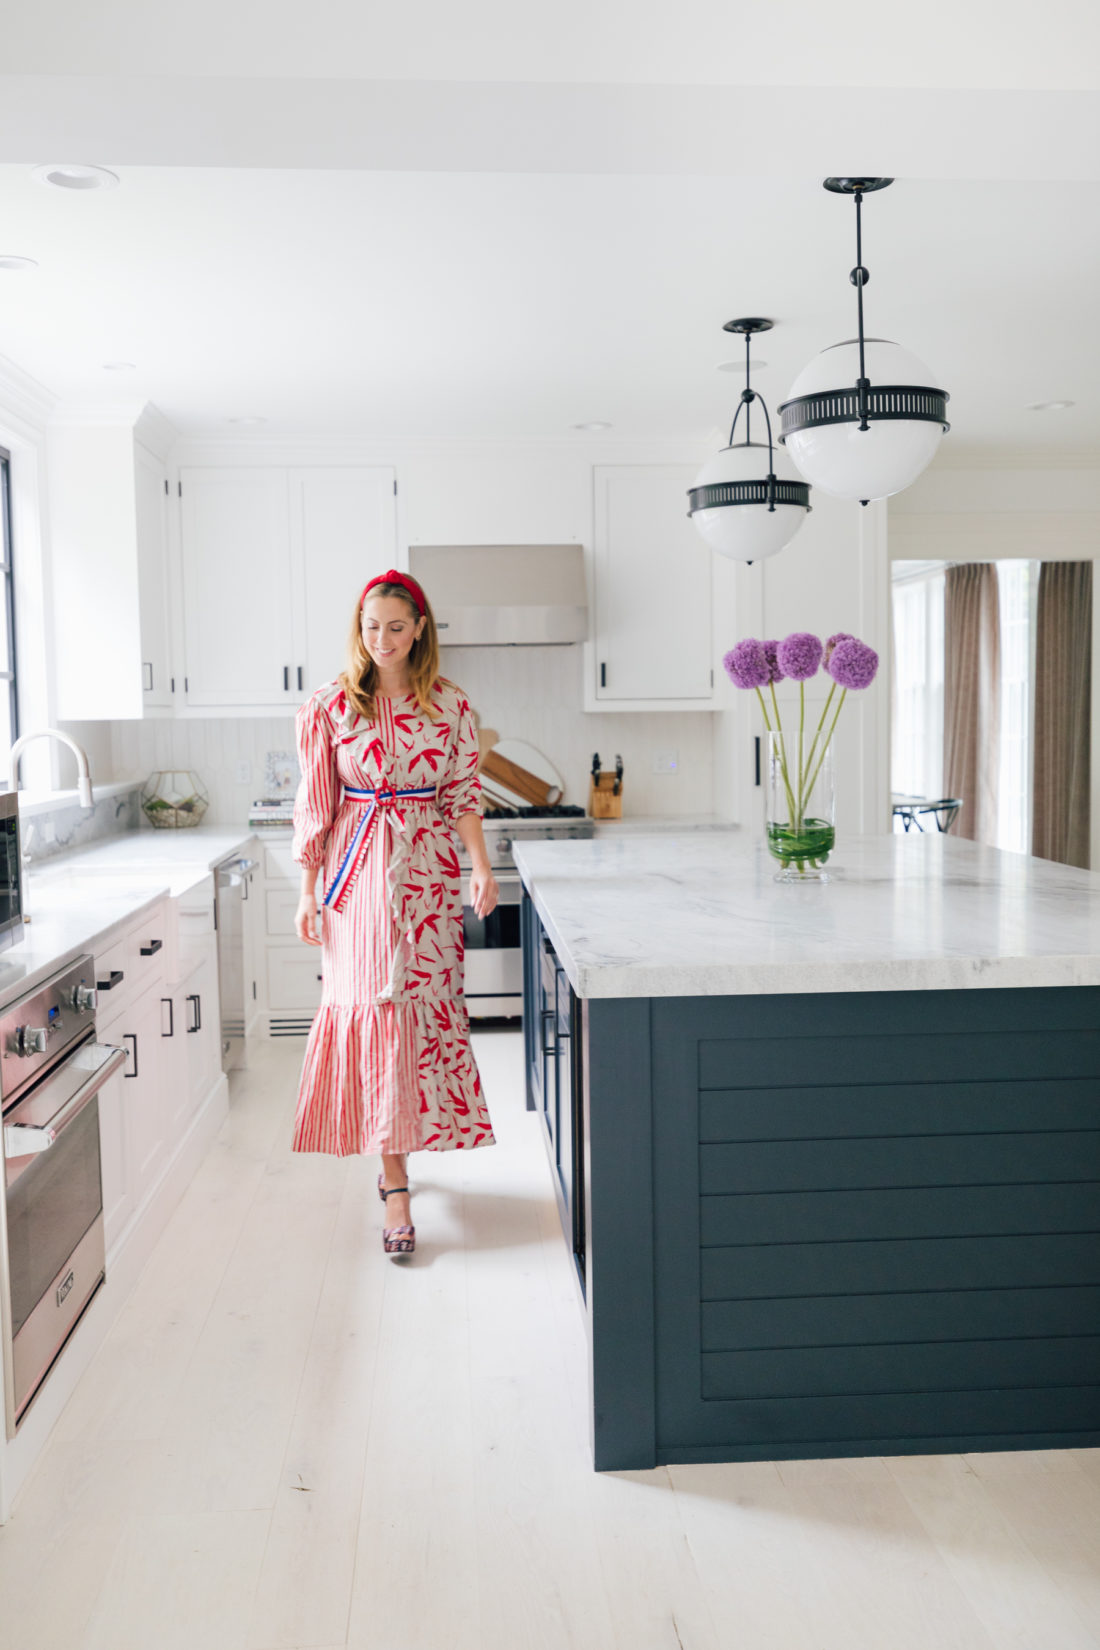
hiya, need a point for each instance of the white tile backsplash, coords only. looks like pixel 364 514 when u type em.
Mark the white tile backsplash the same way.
pixel 530 693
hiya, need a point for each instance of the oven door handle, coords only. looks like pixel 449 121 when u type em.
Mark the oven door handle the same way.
pixel 20 1139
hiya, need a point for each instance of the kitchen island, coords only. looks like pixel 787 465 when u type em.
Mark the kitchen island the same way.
pixel 827 1157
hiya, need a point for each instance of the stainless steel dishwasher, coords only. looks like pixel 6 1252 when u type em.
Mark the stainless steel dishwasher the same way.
pixel 232 887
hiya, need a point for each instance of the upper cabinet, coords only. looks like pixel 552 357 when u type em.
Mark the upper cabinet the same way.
pixel 652 626
pixel 273 560
pixel 109 574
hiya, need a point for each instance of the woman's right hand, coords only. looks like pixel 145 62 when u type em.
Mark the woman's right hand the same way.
pixel 305 919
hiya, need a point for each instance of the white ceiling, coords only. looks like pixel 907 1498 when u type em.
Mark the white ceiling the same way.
pixel 391 258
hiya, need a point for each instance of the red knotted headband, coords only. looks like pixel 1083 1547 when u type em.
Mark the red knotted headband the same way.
pixel 406 583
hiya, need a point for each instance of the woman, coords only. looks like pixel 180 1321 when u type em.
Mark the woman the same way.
pixel 389 760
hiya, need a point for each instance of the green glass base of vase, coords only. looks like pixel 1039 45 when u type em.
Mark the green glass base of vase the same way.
pixel 802 854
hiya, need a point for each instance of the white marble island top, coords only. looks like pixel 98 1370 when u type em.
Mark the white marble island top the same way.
pixel 699 914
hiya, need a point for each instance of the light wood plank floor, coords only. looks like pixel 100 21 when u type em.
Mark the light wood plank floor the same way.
pixel 288 1442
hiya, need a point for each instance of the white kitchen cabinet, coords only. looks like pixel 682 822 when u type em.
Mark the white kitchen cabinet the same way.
pixel 136 1109
pixel 273 559
pixel 652 641
pixel 343 531
pixel 151 508
pixel 290 975
pixel 239 623
pixel 109 574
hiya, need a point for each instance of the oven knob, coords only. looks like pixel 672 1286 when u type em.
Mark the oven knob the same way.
pixel 85 998
pixel 32 1039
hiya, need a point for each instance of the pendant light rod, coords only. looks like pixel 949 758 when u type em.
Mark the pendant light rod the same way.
pixel 748 326
pixel 859 278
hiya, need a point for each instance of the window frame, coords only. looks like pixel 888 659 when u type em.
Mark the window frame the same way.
pixel 11 676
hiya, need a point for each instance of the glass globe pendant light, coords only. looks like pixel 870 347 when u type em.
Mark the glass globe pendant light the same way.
pixel 861 420
pixel 740 512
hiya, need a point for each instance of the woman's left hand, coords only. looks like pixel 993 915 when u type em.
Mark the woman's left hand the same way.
pixel 484 892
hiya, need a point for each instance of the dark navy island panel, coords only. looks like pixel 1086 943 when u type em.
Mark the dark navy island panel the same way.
pixel 897 1241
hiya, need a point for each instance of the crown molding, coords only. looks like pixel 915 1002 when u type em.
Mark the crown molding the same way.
pixel 24 399
pixel 155 431
pixel 100 414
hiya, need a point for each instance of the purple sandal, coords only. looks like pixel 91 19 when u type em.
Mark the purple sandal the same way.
pixel 396 1240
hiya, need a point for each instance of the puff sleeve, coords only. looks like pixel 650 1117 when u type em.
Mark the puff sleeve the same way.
pixel 459 789
pixel 315 803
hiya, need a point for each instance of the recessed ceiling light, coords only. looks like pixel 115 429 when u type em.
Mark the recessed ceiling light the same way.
pixel 250 420
pixel 1050 406
pixel 11 260
pixel 120 366
pixel 70 176
pixel 739 366
pixel 596 424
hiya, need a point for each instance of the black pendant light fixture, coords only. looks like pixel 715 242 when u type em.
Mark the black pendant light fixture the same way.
pixel 861 420
pixel 740 512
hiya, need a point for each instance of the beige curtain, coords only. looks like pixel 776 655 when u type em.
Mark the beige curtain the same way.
pixel 971 698
pixel 1063 691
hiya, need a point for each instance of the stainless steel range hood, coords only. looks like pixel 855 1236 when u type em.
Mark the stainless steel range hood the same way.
pixel 504 595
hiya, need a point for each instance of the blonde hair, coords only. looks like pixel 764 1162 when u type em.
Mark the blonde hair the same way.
pixel 360 679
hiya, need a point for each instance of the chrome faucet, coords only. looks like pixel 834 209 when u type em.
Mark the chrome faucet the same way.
pixel 83 773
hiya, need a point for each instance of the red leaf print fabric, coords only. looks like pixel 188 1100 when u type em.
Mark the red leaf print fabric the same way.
pixel 388 1065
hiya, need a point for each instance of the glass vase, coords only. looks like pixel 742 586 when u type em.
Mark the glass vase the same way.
pixel 174 799
pixel 801 808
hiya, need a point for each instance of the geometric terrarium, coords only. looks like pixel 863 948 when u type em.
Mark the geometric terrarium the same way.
pixel 174 798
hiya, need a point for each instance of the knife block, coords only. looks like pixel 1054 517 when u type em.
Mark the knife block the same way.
pixel 602 803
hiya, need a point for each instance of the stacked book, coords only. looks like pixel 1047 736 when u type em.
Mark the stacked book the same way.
pixel 271 812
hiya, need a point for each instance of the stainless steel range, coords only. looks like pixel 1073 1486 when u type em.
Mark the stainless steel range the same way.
pixel 51 1197
pixel 494 959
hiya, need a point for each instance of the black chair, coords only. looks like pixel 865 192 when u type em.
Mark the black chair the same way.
pixel 911 809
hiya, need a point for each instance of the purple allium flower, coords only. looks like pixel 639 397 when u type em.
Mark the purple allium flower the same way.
pixel 746 664
pixel 771 653
pixel 830 645
pixel 799 655
pixel 853 664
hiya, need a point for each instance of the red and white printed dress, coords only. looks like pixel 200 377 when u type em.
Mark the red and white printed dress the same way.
pixel 388 1065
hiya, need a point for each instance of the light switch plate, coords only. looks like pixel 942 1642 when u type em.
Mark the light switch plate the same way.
pixel 666 762
pixel 244 773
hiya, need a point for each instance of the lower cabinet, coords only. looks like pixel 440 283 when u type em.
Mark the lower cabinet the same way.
pixel 135 1110
pixel 555 1078
pixel 172 1035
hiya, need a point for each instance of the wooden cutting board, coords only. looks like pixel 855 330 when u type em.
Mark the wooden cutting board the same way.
pixel 521 774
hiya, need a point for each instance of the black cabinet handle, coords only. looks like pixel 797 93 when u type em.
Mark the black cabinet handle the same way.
pixel 547 1015
pixel 603 675
pixel 756 742
pixel 171 1032
pixel 286 678
pixel 131 1037
pixel 299 678
pixel 195 998
pixel 152 948
pixel 117 977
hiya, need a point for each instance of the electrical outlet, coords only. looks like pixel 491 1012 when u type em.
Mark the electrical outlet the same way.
pixel 665 762
pixel 244 773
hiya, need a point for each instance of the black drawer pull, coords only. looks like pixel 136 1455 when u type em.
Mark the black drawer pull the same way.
pixel 286 678
pixel 131 1037
pixel 299 678
pixel 152 948
pixel 197 1000
pixel 117 977
pixel 171 1032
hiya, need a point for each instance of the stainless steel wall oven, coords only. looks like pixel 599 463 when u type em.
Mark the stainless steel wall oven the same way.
pixel 51 1197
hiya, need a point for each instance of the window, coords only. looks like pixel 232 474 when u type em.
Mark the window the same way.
pixel 9 704
pixel 917 744
pixel 1018 589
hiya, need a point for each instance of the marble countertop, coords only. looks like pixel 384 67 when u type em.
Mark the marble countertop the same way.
pixel 699 914
pixel 76 900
